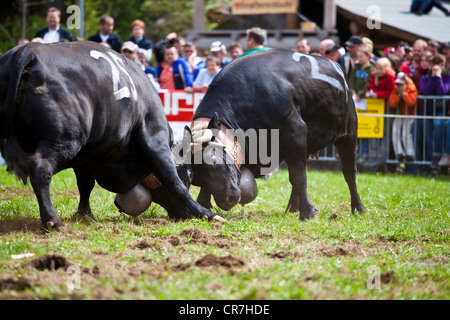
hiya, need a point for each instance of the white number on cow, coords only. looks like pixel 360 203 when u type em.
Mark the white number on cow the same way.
pixel 117 64
pixel 315 73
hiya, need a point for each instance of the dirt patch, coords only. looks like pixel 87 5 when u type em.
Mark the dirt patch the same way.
pixel 283 254
pixel 196 236
pixel 14 284
pixel 20 225
pixel 211 260
pixel 15 193
pixel 142 245
pixel 50 262
pixel 388 277
pixel 331 252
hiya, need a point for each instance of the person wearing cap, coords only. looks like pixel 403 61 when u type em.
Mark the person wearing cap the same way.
pixel 129 50
pixel 105 34
pixel 138 30
pixel 219 50
pixel 403 99
pixel 333 53
pixel 254 41
pixel 325 45
pixel 348 60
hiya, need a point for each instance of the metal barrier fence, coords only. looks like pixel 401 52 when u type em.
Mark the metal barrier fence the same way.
pixel 430 115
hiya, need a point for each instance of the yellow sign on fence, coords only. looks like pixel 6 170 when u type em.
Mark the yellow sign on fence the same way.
pixel 370 126
pixel 264 6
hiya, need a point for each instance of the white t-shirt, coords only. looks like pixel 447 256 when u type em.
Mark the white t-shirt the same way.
pixel 51 36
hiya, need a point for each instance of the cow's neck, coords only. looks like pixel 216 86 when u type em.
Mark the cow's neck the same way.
pixel 224 136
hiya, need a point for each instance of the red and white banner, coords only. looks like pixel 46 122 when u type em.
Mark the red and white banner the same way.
pixel 179 107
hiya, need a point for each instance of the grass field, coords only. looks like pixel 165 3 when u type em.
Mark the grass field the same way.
pixel 398 249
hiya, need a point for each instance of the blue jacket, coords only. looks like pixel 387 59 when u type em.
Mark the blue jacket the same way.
pixel 182 73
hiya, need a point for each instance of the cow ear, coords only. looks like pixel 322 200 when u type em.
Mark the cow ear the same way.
pixel 214 123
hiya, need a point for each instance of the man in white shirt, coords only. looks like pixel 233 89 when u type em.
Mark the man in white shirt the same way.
pixel 53 32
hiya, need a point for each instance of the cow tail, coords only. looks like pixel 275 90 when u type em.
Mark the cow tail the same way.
pixel 15 155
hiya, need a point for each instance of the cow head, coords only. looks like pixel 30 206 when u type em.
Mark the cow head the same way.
pixel 214 169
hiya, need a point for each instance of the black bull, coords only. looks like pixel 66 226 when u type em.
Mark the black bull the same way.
pixel 83 106
pixel 304 97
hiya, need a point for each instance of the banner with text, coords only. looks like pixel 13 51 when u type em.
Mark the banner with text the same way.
pixel 263 6
pixel 372 125
pixel 179 107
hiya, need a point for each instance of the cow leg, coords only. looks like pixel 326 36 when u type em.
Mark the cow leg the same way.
pixel 156 149
pixel 346 147
pixel 295 146
pixel 41 173
pixel 85 182
pixel 204 198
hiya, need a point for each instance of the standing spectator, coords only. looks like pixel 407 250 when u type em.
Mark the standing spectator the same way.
pixel 53 32
pixel 303 46
pixel 359 76
pixel 138 31
pixel 436 83
pixel 368 46
pixel 235 50
pixel 174 72
pixel 403 99
pixel 446 52
pixel 129 50
pixel 381 84
pixel 358 84
pixel 172 40
pixel 206 75
pixel 219 50
pixel 348 60
pixel 382 80
pixel 401 49
pixel 333 53
pixel 422 69
pixel 105 34
pixel 325 45
pixel 408 67
pixel 420 7
pixel 433 46
pixel 254 41
pixel 190 54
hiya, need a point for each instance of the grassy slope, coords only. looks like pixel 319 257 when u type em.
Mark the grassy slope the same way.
pixel 401 243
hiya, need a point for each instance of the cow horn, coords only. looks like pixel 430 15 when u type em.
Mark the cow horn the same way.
pixel 202 136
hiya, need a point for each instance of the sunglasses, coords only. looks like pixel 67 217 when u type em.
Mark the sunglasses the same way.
pixel 127 51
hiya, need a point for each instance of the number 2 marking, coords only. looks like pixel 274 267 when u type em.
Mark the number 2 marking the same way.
pixel 123 92
pixel 315 73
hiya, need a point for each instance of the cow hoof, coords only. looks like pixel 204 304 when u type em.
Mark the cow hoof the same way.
pixel 312 216
pixel 219 218
pixel 53 226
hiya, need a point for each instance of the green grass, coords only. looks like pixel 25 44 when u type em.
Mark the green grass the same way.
pixel 402 242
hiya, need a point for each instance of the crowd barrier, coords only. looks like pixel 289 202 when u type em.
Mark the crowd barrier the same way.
pixel 374 125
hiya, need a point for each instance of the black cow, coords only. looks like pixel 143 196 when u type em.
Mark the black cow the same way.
pixel 304 97
pixel 82 106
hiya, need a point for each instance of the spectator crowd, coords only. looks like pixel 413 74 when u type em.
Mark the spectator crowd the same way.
pixel 400 74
